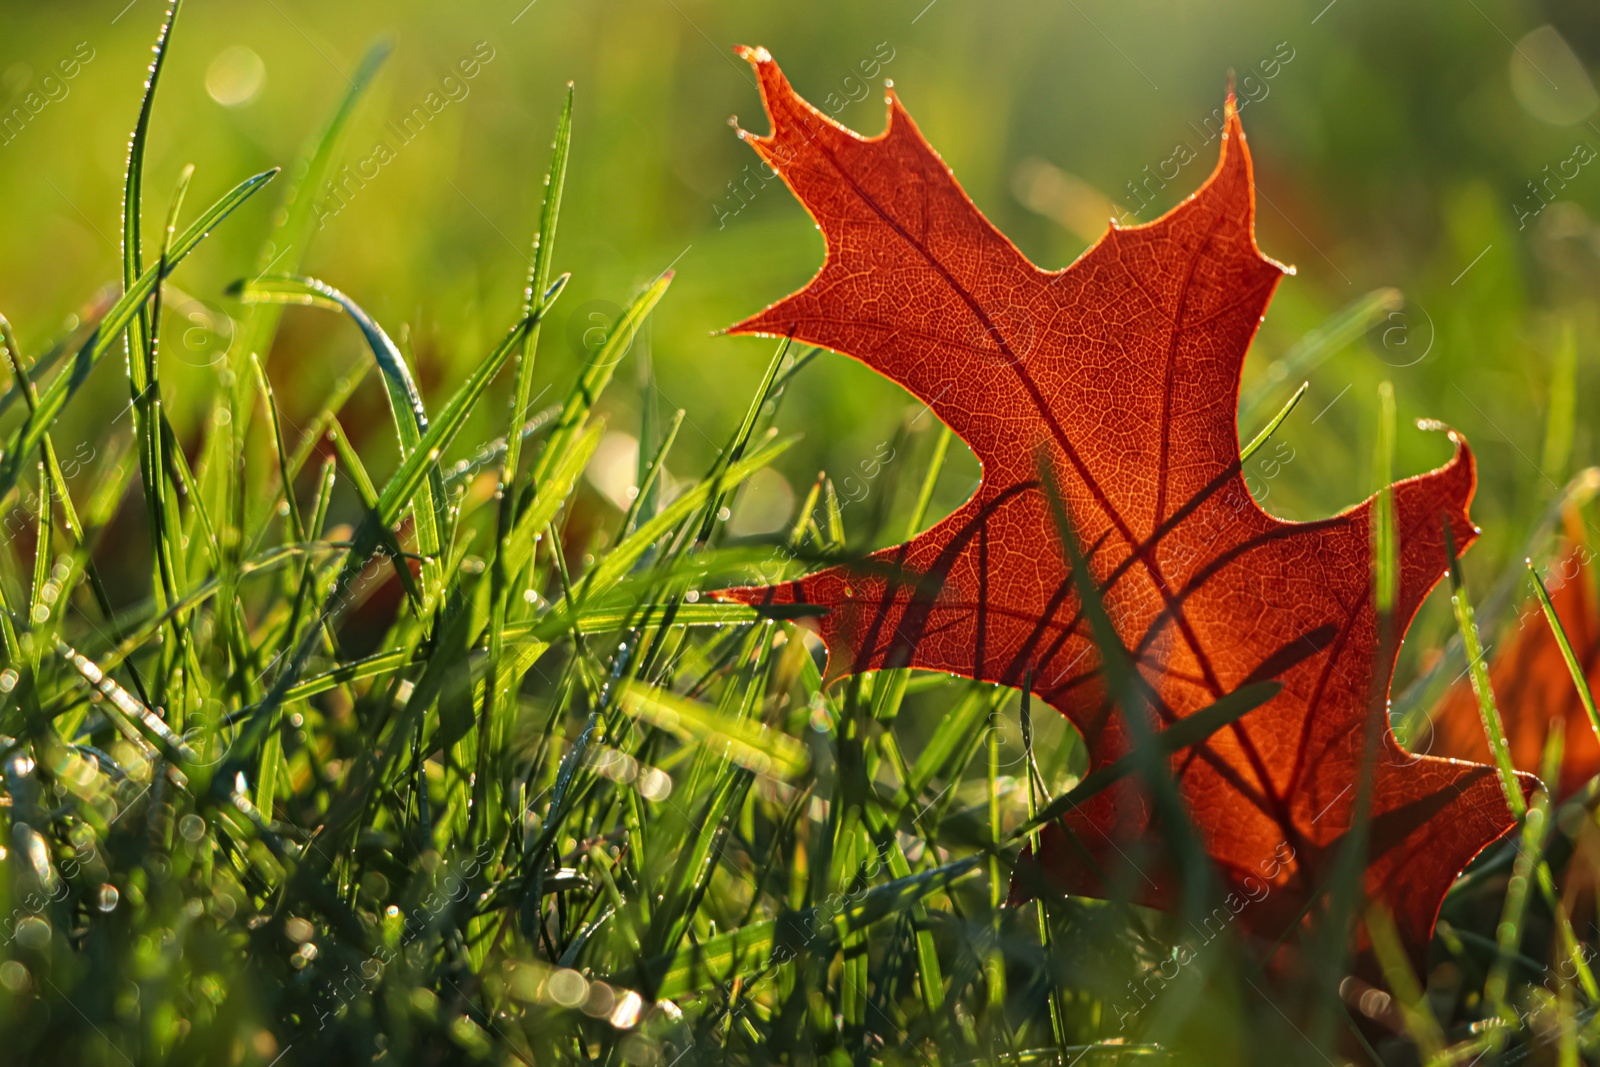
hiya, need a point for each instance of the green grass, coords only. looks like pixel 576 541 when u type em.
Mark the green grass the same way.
pixel 447 760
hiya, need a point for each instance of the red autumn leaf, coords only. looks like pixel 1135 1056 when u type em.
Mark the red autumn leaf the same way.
pixel 1532 685
pixel 1122 370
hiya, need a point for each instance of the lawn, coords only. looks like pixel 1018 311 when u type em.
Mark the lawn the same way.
pixel 367 691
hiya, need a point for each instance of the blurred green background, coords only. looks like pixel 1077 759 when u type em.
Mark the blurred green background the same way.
pixel 1445 151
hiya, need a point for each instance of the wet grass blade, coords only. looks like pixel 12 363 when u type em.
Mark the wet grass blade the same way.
pixel 140 330
pixel 65 385
pixel 1568 656
pixel 1478 670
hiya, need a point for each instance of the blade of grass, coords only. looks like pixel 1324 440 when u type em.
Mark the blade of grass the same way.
pixel 1562 410
pixel 1422 695
pixel 1420 1022
pixel 140 331
pixel 747 744
pixel 1316 347
pixel 405 403
pixel 1568 656
pixel 596 375
pixel 741 438
pixel 750 950
pixel 1345 883
pixel 1478 670
pixel 65 385
pixel 292 231
pixel 1196 876
pixel 1187 732
pixel 1272 427
pixel 501 685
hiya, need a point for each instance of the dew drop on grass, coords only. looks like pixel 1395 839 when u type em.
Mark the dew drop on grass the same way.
pixel 106 897
pixel 692 596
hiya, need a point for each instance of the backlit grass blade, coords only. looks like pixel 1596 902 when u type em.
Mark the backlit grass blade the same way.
pixel 1270 428
pixel 55 480
pixel 1412 706
pixel 38 598
pixel 140 330
pixel 1562 412
pixel 919 511
pixel 1574 668
pixel 292 226
pixel 491 731
pixel 747 744
pixel 410 416
pixel 344 389
pixel 1385 540
pixel 741 439
pixel 960 723
pixel 1316 347
pixel 54 397
pixel 440 435
pixel 618 562
pixel 1036 790
pixel 149 418
pixel 650 482
pixel 696 862
pixel 80 326
pixel 1420 1021
pixel 593 379
pixel 533 295
pixel 1478 670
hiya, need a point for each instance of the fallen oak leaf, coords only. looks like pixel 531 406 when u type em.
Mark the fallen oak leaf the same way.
pixel 1123 370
